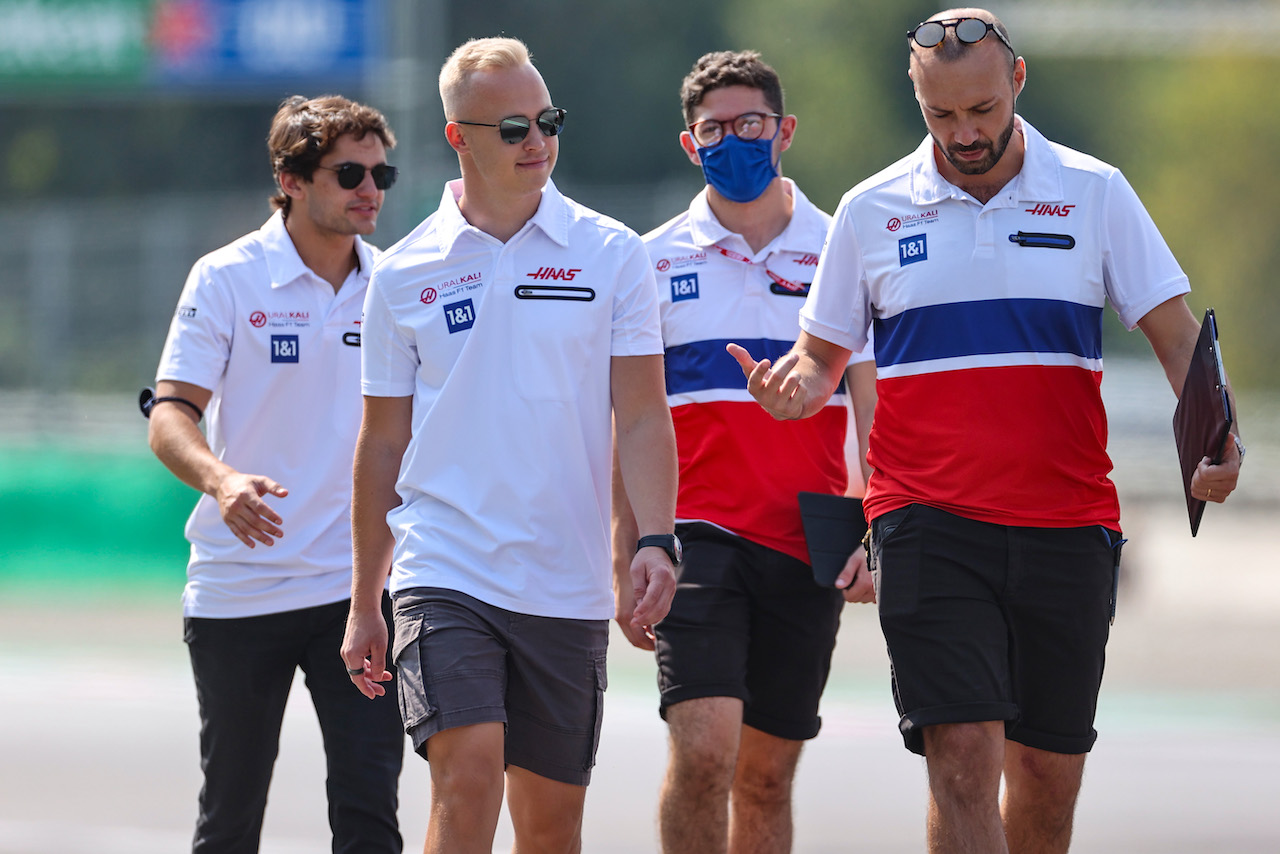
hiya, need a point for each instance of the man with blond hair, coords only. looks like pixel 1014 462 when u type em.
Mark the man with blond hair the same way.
pixel 499 338
pixel 266 338
pixel 984 262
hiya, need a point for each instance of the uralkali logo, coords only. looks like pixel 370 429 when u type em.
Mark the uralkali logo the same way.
pixel 260 319
pixel 465 279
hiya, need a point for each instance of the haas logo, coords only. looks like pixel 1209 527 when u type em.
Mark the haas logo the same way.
pixel 557 273
pixel 1050 210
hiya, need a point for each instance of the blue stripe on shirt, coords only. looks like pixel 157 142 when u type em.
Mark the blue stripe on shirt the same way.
pixel 702 365
pixel 985 327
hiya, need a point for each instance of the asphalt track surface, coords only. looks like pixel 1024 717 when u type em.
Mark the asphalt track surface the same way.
pixel 98 725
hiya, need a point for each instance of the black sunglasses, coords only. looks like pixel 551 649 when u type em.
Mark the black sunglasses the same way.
pixel 514 129
pixel 350 175
pixel 968 31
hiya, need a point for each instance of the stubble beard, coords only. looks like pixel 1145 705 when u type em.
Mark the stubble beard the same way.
pixel 980 167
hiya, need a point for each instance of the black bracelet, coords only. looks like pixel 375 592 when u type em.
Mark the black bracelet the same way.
pixel 147 401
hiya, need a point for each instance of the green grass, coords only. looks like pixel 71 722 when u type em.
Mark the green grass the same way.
pixel 94 519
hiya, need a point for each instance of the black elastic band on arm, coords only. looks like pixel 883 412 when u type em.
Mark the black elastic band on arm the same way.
pixel 147 401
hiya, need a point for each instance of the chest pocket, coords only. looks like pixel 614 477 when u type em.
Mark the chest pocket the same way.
pixel 552 330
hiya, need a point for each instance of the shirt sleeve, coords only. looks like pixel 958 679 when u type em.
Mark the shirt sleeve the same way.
pixel 867 353
pixel 200 335
pixel 1138 267
pixel 838 306
pixel 388 355
pixel 637 329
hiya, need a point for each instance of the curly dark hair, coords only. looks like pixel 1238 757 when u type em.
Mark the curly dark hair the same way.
pixel 722 68
pixel 305 130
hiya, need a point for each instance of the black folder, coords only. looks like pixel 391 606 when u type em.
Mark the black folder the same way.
pixel 834 526
pixel 1202 419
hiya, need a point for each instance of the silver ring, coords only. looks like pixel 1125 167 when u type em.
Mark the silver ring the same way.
pixel 355 671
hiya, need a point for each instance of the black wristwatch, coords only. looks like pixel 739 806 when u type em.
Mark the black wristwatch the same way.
pixel 669 543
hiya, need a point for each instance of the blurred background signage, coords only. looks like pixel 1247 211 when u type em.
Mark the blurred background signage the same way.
pixel 214 44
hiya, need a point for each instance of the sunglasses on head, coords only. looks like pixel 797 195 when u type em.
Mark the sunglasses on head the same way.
pixel 968 31
pixel 514 129
pixel 351 175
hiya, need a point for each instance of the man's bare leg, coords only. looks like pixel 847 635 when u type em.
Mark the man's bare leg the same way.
pixel 1040 798
pixel 546 814
pixel 693 812
pixel 760 802
pixel 466 789
pixel 965 761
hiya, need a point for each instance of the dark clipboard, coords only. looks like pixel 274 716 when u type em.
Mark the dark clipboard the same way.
pixel 834 526
pixel 1202 420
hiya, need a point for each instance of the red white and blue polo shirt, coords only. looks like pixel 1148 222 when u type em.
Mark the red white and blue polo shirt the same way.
pixel 988 330
pixel 739 468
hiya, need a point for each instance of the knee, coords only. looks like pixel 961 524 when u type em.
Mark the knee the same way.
pixel 964 759
pixel 762 788
pixel 1044 778
pixel 704 765
pixel 465 782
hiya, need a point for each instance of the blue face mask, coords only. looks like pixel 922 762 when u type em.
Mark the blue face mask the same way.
pixel 740 170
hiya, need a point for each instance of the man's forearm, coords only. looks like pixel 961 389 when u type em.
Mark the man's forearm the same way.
pixel 647 461
pixel 373 495
pixel 177 442
pixel 623 530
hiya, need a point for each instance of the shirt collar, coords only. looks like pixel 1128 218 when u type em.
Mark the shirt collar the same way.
pixel 286 266
pixel 552 216
pixel 807 224
pixel 1039 179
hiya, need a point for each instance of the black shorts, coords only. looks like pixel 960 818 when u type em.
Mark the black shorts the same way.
pixel 989 622
pixel 748 622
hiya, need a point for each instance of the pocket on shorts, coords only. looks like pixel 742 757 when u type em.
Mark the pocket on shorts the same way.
pixel 600 673
pixel 411 688
pixel 901 588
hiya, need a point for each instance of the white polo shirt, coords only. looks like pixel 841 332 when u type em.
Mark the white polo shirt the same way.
pixel 506 348
pixel 740 468
pixel 281 354
pixel 988 330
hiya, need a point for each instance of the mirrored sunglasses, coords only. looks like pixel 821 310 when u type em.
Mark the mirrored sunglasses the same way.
pixel 968 31
pixel 514 129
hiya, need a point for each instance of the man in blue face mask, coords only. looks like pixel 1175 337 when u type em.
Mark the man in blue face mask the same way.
pixel 744 653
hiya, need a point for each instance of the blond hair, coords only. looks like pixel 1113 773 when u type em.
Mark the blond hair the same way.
pixel 477 55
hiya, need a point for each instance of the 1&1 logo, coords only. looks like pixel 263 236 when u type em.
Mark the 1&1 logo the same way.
pixel 460 315
pixel 912 249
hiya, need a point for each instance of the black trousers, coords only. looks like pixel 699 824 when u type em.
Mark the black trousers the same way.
pixel 243 670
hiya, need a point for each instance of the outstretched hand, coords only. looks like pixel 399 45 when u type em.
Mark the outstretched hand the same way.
pixel 774 387
pixel 250 518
